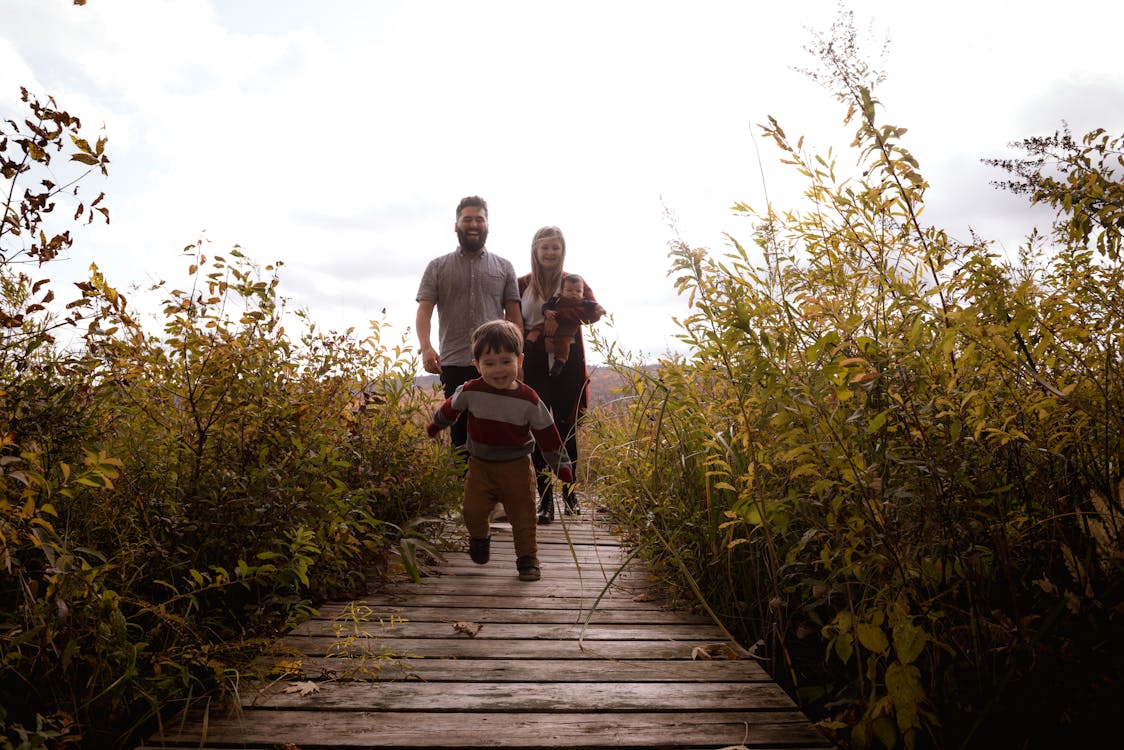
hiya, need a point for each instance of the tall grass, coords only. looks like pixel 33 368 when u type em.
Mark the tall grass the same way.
pixel 891 464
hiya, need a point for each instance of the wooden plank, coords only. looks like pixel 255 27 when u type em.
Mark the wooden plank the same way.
pixel 592 553
pixel 469 599
pixel 472 648
pixel 601 569
pixel 555 572
pixel 510 631
pixel 467 729
pixel 554 697
pixel 516 670
pixel 587 544
pixel 484 614
pixel 509 585
pixel 558 558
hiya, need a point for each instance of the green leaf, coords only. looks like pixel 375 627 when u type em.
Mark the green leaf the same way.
pixel 909 642
pixel 872 638
pixel 903 682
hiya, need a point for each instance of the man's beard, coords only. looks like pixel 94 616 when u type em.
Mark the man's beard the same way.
pixel 472 244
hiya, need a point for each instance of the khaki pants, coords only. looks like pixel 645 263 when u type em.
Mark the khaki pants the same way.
pixel 511 483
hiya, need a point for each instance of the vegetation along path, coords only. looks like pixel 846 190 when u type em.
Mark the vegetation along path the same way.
pixel 472 657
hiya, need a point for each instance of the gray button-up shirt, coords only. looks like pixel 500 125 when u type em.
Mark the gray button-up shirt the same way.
pixel 467 290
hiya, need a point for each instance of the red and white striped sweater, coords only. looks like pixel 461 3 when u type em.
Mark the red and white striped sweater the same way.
pixel 504 425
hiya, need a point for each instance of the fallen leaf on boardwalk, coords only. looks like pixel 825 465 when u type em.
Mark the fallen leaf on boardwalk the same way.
pixel 644 597
pixel 468 628
pixel 304 688
pixel 714 651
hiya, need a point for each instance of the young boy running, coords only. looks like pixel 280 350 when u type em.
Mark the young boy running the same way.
pixel 505 421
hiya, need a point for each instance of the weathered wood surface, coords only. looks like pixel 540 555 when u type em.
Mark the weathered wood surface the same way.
pixel 587 657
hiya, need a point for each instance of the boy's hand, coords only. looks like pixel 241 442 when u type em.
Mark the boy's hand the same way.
pixel 566 474
pixel 432 429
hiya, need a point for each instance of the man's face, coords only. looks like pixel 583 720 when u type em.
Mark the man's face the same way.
pixel 573 290
pixel 472 228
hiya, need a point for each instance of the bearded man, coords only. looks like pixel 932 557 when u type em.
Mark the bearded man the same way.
pixel 467 287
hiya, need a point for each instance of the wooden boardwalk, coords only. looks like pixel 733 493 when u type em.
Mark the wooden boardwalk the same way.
pixel 475 658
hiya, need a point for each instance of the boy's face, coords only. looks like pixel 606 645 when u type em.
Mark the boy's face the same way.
pixel 500 369
pixel 573 290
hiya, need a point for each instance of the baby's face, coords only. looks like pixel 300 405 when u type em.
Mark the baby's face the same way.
pixel 573 290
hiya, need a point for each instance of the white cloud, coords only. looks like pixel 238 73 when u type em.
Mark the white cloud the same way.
pixel 338 137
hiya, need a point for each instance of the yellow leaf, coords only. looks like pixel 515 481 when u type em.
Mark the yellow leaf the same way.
pixel 903 682
pixel 288 666
pixel 877 421
pixel 872 638
pixel 909 642
pixel 306 687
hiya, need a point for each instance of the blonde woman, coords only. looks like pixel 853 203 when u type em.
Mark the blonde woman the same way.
pixel 566 392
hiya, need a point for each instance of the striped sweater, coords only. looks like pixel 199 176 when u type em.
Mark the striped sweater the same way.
pixel 504 425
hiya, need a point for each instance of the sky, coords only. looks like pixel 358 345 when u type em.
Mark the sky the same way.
pixel 337 136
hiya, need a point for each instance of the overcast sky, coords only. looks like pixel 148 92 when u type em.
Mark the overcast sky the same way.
pixel 337 136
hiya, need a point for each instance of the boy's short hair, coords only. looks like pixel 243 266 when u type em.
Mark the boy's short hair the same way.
pixel 497 336
pixel 572 278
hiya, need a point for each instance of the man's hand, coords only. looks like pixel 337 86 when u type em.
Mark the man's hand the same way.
pixel 431 361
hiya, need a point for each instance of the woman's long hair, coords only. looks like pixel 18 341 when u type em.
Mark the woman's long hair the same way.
pixel 544 282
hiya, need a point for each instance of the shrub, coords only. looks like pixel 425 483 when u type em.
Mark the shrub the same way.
pixel 891 464
pixel 170 502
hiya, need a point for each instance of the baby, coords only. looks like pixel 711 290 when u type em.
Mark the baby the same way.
pixel 565 312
